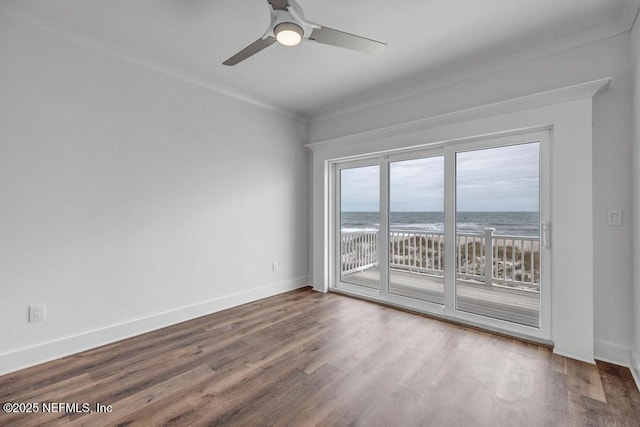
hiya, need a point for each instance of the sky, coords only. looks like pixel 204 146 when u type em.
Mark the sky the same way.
pixel 495 179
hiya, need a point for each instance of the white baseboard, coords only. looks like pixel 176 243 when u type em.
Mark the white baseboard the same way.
pixel 635 368
pixel 612 353
pixel 26 357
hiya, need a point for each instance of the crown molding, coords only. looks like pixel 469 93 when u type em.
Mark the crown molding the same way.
pixel 156 66
pixel 554 96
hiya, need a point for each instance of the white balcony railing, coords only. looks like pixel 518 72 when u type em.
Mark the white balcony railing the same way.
pixel 485 259
pixel 359 250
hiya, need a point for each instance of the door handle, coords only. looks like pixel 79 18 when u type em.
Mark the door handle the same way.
pixel 546 234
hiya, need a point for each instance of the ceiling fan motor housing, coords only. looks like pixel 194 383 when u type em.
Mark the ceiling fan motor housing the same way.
pixel 289 17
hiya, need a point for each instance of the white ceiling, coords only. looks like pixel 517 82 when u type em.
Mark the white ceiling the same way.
pixel 427 39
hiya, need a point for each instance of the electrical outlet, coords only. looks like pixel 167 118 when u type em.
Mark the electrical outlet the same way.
pixel 274 266
pixel 37 313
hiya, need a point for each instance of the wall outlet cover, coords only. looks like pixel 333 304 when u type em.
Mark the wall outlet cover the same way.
pixel 37 313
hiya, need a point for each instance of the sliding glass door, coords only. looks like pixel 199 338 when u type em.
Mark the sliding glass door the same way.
pixel 453 230
pixel 359 219
pixel 498 232
pixel 416 228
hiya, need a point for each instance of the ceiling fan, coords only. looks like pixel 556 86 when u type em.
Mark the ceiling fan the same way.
pixel 289 26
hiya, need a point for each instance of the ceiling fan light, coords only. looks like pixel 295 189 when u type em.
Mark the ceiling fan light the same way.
pixel 288 33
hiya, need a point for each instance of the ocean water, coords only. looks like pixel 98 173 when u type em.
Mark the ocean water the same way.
pixel 505 223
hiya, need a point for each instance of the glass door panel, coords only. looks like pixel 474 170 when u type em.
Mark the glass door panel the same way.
pixel 498 233
pixel 416 228
pixel 360 226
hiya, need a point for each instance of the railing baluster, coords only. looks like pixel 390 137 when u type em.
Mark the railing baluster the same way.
pixel 412 246
pixel 522 276
pixel 462 251
pixel 496 248
pixel 503 244
pixel 488 260
pixel 434 263
pixel 346 253
pixel 504 258
pixel 523 258
pixel 439 254
pixel 351 252
pixel 374 247
pixel 365 249
pixel 404 249
pixel 533 264
pixel 433 253
pixel 361 250
pixel 372 237
pixel 396 248
pixel 405 242
pixel 342 237
pixel 530 268
pixel 354 251
pixel 405 252
pixel 471 261
pixel 459 251
pixel 513 259
pixel 466 255
pixel 369 247
pixel 351 248
pixel 392 248
pixel 430 249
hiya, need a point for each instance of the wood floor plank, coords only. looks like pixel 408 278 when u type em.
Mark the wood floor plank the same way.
pixel 618 386
pixel 305 358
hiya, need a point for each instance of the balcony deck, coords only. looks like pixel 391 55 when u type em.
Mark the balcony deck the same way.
pixel 514 305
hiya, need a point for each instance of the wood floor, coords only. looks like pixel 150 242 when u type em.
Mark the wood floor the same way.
pixel 306 358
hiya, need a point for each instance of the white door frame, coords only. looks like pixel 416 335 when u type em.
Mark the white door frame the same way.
pixel 447 311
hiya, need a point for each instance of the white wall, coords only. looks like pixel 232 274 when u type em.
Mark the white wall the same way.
pixel 130 200
pixel 611 156
pixel 635 54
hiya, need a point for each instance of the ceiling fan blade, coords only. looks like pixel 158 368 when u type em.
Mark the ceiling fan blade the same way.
pixel 326 35
pixel 250 50
pixel 279 4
